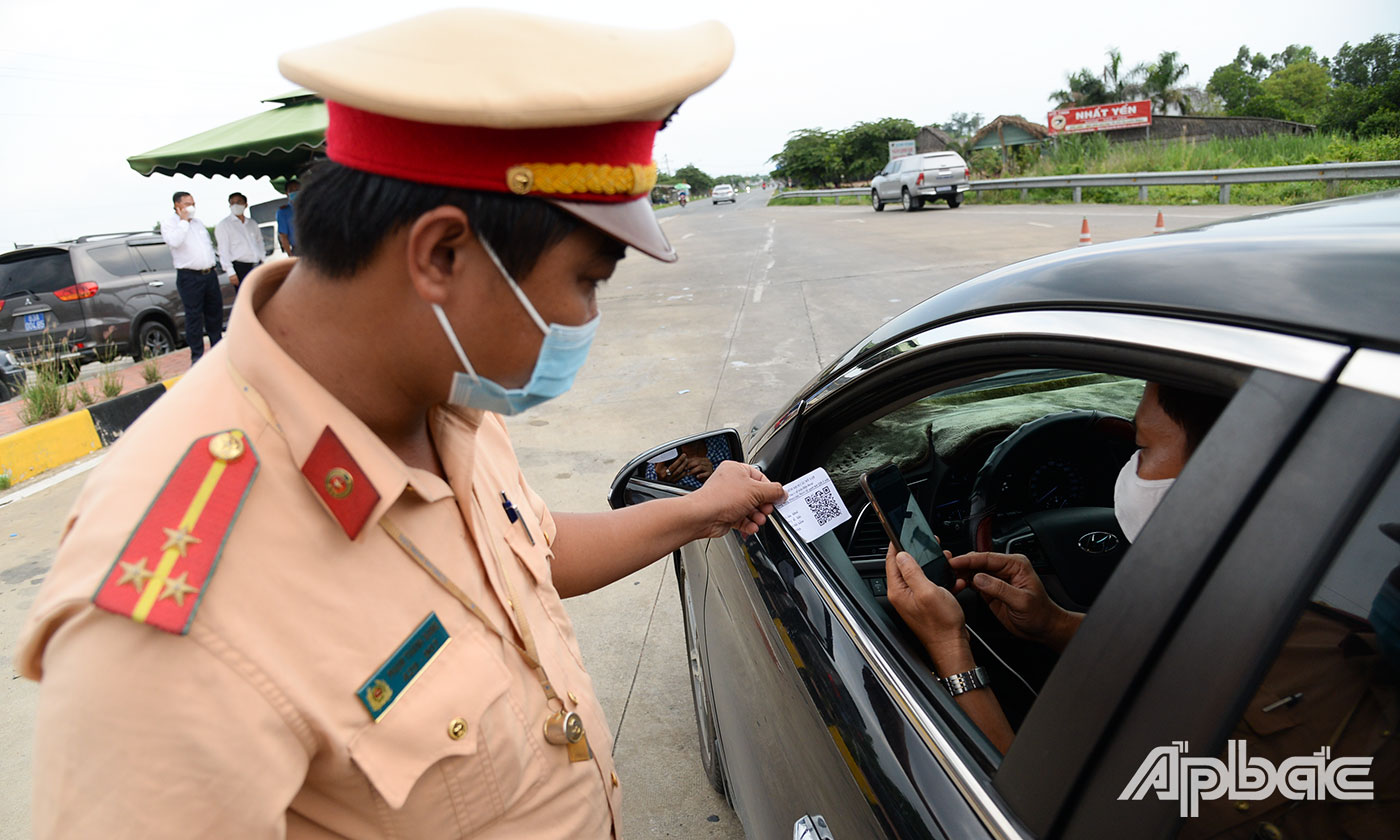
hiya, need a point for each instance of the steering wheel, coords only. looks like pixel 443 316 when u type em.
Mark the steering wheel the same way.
pixel 1071 537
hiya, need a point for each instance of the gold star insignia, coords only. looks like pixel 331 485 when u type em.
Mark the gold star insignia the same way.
pixel 177 588
pixel 135 573
pixel 178 539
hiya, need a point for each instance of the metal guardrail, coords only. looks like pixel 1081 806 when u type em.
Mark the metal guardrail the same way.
pixel 1365 170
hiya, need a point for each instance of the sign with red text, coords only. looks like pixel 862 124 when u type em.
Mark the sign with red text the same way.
pixel 1115 115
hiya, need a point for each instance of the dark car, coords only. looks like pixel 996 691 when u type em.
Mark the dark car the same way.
pixel 1006 404
pixel 12 376
pixel 75 300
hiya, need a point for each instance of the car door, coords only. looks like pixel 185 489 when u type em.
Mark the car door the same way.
pixel 1324 530
pixel 123 292
pixel 158 273
pixel 957 786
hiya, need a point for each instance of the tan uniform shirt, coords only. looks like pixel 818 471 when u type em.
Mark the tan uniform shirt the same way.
pixel 249 726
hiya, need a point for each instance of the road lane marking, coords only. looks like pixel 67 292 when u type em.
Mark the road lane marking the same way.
pixel 688 235
pixel 763 275
pixel 43 484
pixel 1040 224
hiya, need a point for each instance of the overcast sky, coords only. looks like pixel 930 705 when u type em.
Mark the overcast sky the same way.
pixel 84 85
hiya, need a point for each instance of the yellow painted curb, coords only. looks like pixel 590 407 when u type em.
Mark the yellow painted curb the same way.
pixel 53 443
pixel 170 383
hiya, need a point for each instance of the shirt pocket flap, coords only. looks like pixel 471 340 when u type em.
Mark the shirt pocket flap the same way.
pixel 535 556
pixel 439 715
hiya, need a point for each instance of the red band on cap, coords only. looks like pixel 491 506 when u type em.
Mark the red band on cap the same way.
pixel 477 158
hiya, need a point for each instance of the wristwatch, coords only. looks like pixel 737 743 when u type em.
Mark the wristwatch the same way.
pixel 965 682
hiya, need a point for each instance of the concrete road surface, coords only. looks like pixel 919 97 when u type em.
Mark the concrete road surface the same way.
pixel 760 301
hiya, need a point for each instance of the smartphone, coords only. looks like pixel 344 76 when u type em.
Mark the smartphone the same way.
pixel 904 523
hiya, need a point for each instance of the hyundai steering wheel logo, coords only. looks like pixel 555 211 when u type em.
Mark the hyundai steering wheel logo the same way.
pixel 1098 542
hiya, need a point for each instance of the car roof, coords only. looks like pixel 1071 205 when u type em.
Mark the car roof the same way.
pixel 93 240
pixel 1328 270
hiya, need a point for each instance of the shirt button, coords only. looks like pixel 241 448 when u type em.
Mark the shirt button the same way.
pixel 456 729
pixel 614 778
pixel 573 698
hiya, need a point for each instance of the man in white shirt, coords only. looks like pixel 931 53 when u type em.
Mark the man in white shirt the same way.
pixel 195 277
pixel 239 239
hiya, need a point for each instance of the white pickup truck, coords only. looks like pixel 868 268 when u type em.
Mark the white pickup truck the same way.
pixel 912 180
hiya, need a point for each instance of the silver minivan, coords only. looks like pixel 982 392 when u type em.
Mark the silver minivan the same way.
pixel 915 179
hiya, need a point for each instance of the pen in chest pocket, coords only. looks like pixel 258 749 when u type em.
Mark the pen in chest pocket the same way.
pixel 514 516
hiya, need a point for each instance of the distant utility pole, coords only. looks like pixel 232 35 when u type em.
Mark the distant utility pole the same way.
pixel 666 161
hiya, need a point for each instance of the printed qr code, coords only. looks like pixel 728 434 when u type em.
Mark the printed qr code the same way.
pixel 823 505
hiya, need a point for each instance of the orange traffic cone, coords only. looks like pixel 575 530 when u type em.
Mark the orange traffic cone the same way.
pixel 1161 224
pixel 1084 238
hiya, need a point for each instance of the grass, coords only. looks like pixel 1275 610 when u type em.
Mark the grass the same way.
pixel 6 479
pixel 809 200
pixel 45 397
pixel 110 379
pixel 1089 154
pixel 150 371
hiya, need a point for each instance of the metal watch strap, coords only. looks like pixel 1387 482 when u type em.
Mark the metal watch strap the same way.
pixel 965 682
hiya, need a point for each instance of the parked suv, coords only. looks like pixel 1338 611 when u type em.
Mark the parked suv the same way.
pixel 724 192
pixel 912 180
pixel 71 299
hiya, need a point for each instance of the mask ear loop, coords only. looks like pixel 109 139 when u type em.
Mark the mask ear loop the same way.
pixel 456 345
pixel 514 287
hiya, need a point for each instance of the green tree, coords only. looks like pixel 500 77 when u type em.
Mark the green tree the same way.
pixel 1122 84
pixel 864 148
pixel 809 158
pixel 961 125
pixel 1365 111
pixel 1293 54
pixel 1082 87
pixel 700 183
pixel 1162 84
pixel 1301 90
pixel 1235 85
pixel 1368 64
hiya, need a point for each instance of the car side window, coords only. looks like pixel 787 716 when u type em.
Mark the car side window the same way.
pixel 156 256
pixel 115 259
pixel 1025 464
pixel 1332 690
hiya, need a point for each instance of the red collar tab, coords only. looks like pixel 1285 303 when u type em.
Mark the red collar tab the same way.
pixel 340 484
pixel 608 163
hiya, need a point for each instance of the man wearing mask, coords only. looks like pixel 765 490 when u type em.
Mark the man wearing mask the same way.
pixel 384 650
pixel 239 239
pixel 195 277
pixel 286 237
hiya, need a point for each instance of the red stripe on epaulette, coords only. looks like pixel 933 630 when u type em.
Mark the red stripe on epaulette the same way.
pixel 162 573
pixel 340 484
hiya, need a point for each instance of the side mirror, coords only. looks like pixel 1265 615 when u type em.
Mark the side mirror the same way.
pixel 674 468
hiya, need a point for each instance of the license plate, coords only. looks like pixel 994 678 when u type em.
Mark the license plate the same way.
pixel 34 322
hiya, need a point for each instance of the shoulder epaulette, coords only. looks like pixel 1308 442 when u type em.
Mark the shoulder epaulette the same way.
pixel 160 576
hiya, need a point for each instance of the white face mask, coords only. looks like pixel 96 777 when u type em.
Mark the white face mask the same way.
pixel 1135 498
pixel 237 209
pixel 188 212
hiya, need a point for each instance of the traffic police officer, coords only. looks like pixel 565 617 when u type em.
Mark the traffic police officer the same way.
pixel 305 597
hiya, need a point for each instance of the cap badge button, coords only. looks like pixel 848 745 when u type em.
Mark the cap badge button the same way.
pixel 520 179
pixel 339 483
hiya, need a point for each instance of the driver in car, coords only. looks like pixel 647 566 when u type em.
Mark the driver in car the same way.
pixel 1170 423
pixel 1320 654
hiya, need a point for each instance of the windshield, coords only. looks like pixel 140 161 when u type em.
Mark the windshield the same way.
pixel 35 272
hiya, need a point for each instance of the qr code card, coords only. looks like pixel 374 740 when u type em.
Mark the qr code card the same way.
pixel 812 506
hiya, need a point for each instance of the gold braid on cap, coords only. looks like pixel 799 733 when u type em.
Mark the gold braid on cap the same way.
pixel 588 178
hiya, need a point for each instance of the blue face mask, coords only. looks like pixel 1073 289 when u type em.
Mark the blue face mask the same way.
pixel 561 356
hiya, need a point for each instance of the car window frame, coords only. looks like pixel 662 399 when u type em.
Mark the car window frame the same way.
pixel 961 355
pixel 1335 467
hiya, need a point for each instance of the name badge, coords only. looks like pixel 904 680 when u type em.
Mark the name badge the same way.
pixel 384 687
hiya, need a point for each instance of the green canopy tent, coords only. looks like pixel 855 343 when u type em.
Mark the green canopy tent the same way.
pixel 272 144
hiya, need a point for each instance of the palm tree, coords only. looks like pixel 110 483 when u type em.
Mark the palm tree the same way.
pixel 1084 87
pixel 1162 84
pixel 1119 85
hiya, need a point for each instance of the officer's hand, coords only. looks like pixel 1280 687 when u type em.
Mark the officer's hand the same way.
pixel 930 610
pixel 1016 596
pixel 735 497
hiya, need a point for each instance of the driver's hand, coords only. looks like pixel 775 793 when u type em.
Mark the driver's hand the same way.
pixel 1016 596
pixel 930 611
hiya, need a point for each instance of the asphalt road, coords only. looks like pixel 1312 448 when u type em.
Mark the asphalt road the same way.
pixel 761 300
